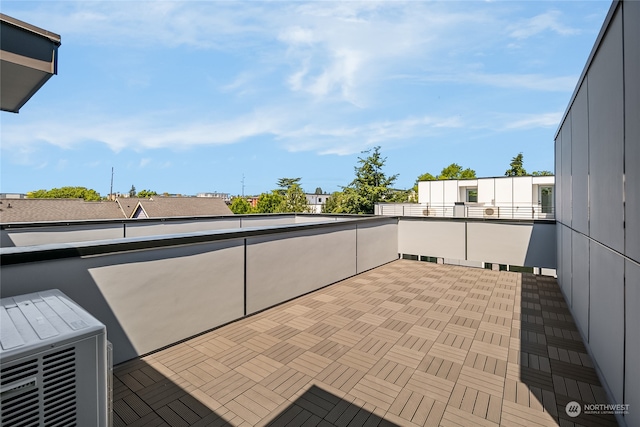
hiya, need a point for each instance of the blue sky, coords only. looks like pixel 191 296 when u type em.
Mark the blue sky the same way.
pixel 190 96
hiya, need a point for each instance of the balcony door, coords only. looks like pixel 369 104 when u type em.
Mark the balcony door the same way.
pixel 546 200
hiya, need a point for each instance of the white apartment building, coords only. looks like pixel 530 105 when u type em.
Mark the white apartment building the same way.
pixel 523 197
pixel 316 201
pixel 503 197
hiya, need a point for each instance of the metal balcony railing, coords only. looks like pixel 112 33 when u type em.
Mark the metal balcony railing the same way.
pixel 467 211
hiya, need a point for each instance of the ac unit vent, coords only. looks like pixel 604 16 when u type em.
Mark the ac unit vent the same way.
pixel 19 394
pixel 59 388
pixel 18 372
pixel 21 409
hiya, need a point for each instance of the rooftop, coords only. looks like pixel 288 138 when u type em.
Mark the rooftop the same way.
pixel 407 343
pixel 41 210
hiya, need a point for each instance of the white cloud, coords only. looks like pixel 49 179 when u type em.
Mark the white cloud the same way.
pixel 530 121
pixel 548 21
pixel 345 139
pixel 296 35
pixel 296 132
pixel 535 82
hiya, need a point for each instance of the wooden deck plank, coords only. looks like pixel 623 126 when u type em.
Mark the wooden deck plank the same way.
pixel 404 344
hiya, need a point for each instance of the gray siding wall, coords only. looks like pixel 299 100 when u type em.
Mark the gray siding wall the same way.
pixel 164 291
pixel 530 244
pixel 598 195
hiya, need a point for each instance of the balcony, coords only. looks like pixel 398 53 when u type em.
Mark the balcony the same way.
pixel 293 319
pixel 466 210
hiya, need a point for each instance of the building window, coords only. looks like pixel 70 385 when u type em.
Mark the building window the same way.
pixel 319 199
pixel 472 195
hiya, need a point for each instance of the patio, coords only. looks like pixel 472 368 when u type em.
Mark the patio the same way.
pixel 408 343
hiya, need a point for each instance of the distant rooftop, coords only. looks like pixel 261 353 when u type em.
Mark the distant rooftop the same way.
pixel 41 210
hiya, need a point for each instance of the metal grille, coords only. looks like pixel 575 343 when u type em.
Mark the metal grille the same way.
pixel 59 388
pixel 20 395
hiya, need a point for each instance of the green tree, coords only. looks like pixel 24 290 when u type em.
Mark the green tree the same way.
pixel 332 203
pixel 145 194
pixel 285 183
pixel 295 200
pixel 426 177
pixel 132 191
pixel 516 167
pixel 318 190
pixel 370 185
pixel 269 202
pixel 455 171
pixel 541 173
pixel 66 193
pixel 240 205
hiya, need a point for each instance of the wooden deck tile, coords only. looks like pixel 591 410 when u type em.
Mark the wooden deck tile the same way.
pixel 259 367
pixel 481 380
pixel 437 388
pixel 310 363
pixel 406 344
pixel 456 355
pixel 454 417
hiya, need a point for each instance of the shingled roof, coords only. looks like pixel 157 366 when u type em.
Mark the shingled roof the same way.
pixel 162 207
pixel 39 210
pixel 42 210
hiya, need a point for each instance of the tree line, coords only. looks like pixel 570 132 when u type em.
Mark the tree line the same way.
pixel 371 185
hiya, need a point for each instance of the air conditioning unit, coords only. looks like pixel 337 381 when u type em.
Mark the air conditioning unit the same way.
pixel 490 212
pixel 54 368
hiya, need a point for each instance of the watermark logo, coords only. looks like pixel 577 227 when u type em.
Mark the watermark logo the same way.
pixel 606 408
pixel 573 409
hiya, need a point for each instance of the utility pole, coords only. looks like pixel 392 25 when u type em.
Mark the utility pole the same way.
pixel 242 185
pixel 111 190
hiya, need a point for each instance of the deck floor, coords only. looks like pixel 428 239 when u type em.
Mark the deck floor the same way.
pixel 409 343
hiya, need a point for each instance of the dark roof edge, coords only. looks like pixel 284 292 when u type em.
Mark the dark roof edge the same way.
pixel 594 50
pixel 32 28
pixel 26 254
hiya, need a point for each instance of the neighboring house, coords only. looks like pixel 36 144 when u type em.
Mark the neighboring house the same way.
pixel 501 197
pixel 224 196
pixel 42 210
pixel 164 207
pixel 316 201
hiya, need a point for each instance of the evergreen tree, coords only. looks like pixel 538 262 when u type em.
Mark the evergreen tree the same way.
pixel 370 185
pixel 516 168
pixel 285 183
